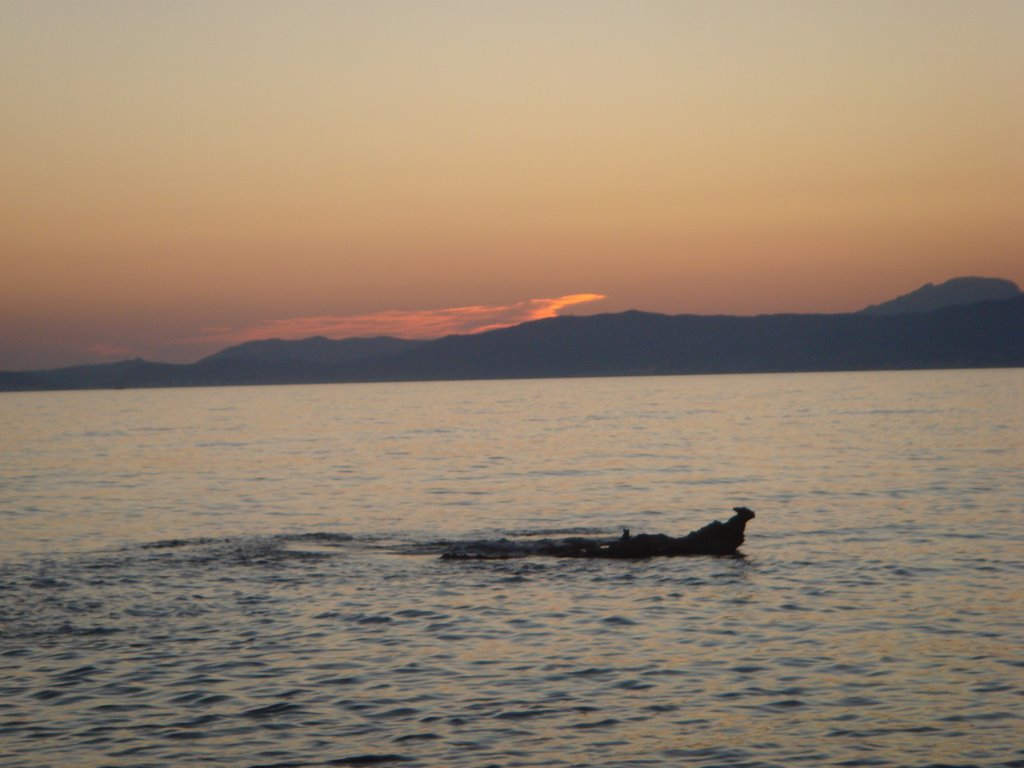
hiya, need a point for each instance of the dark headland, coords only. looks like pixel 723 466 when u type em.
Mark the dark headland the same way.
pixel 965 323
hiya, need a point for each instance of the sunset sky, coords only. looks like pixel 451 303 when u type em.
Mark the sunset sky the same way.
pixel 179 176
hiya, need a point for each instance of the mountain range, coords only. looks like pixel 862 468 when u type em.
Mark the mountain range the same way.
pixel 965 323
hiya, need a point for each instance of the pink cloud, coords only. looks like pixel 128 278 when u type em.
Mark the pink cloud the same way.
pixel 406 324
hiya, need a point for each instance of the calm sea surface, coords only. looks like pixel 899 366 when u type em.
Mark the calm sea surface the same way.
pixel 252 576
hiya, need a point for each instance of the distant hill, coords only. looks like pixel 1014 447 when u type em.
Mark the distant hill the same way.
pixel 955 292
pixel 977 335
pixel 640 343
pixel 315 349
pixel 22 381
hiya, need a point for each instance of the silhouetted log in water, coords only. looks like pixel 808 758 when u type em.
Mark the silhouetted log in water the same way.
pixel 713 539
pixel 716 538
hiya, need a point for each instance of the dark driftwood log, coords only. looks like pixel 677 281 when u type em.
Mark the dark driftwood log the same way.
pixel 716 538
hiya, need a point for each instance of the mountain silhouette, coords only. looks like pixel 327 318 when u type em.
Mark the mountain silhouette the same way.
pixel 959 290
pixel 316 349
pixel 974 335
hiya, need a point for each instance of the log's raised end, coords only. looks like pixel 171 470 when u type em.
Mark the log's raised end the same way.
pixel 744 513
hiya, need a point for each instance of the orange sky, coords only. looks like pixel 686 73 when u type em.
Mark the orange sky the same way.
pixel 176 176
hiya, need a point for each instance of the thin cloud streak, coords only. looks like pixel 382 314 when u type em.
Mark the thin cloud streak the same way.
pixel 405 324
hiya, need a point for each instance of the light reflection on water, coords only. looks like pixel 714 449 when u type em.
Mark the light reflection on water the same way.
pixel 250 576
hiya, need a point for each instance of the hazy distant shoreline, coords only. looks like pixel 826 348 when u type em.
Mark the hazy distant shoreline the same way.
pixel 987 334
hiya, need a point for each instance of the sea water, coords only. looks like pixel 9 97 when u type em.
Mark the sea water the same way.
pixel 252 576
